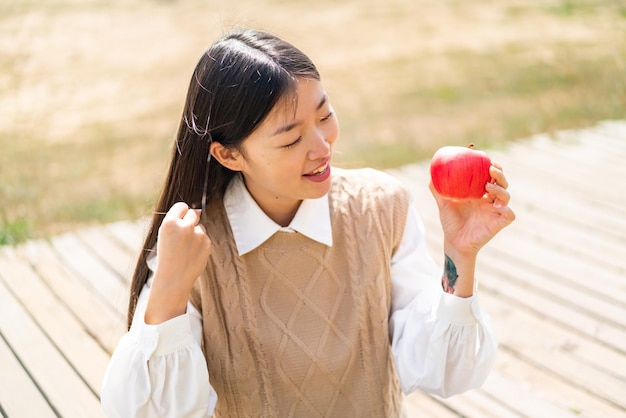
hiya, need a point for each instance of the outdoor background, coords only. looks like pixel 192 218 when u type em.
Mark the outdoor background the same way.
pixel 91 91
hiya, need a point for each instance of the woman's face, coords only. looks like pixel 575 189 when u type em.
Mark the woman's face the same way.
pixel 287 158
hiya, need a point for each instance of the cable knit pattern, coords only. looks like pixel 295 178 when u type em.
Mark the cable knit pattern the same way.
pixel 296 328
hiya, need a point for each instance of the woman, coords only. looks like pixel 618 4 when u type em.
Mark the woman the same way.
pixel 296 289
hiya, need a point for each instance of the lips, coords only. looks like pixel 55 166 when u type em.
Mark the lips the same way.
pixel 321 173
pixel 319 170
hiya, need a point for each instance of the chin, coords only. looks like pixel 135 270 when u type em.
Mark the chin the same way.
pixel 321 191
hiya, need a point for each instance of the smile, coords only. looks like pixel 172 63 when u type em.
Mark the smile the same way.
pixel 319 170
pixel 321 173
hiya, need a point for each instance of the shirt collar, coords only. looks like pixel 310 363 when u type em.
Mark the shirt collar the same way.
pixel 252 227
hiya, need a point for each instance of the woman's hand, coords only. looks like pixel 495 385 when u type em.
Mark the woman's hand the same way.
pixel 469 224
pixel 183 249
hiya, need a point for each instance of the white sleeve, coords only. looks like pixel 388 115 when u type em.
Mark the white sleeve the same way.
pixel 159 370
pixel 442 344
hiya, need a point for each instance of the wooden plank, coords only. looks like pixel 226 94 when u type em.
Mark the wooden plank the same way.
pixel 90 268
pixel 554 349
pixel 130 233
pixel 573 265
pixel 515 402
pixel 420 405
pixel 586 207
pixel 534 392
pixel 111 252
pixel 19 395
pixel 574 242
pixel 613 131
pixel 560 165
pixel 480 403
pixel 100 318
pixel 58 381
pixel 63 329
pixel 564 151
pixel 602 151
pixel 545 271
pixel 498 281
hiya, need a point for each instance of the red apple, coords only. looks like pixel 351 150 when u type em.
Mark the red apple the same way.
pixel 459 172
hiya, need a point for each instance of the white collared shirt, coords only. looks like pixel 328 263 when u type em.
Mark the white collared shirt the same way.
pixel 442 344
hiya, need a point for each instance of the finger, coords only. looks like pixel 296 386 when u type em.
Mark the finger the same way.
pixel 498 194
pixel 177 211
pixel 191 217
pixel 497 174
pixel 507 214
pixel 201 229
pixel 198 213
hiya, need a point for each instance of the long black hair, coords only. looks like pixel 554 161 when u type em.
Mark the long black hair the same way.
pixel 235 85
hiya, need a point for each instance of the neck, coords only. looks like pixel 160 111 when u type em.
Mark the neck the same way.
pixel 281 214
pixel 279 210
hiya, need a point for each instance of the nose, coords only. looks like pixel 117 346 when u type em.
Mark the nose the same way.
pixel 320 145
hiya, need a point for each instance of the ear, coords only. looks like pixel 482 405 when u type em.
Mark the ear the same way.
pixel 228 157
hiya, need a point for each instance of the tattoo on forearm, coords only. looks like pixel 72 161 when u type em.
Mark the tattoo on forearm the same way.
pixel 449 275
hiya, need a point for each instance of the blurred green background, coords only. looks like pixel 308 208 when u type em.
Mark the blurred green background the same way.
pixel 91 91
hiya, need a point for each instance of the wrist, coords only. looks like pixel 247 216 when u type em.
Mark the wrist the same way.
pixel 157 313
pixel 165 302
pixel 458 274
pixel 459 251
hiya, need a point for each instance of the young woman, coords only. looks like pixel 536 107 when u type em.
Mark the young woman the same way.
pixel 296 289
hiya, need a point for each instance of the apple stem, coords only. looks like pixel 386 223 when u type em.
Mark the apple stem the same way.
pixel 471 145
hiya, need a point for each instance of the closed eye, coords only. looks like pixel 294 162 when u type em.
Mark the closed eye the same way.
pixel 325 118
pixel 293 144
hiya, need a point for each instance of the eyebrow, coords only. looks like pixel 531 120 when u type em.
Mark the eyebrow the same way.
pixel 290 126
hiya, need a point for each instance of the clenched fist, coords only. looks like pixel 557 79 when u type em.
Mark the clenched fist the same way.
pixel 183 249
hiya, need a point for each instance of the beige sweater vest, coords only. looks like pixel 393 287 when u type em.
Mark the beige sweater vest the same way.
pixel 298 329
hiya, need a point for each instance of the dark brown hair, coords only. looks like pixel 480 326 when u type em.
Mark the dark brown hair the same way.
pixel 235 85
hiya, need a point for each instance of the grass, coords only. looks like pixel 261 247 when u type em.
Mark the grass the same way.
pixel 90 92
pixel 502 95
pixel 15 231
